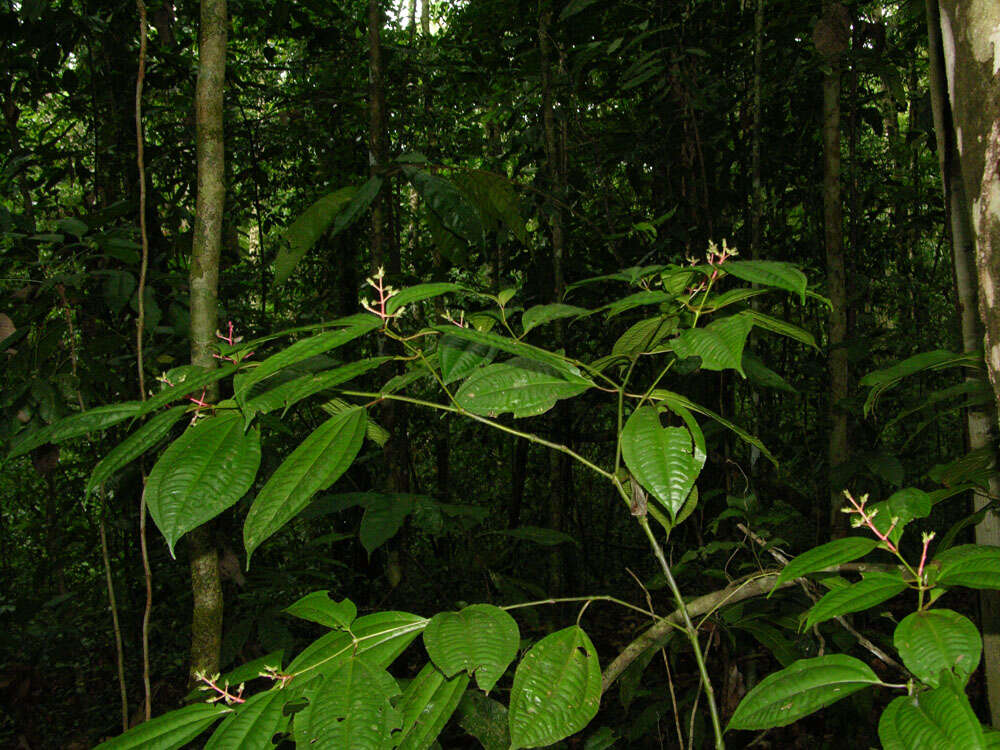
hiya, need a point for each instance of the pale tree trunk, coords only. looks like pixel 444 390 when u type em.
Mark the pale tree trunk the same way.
pixel 831 35
pixel 966 38
pixel 206 586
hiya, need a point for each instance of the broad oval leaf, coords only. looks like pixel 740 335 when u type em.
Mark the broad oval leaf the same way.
pixel 523 387
pixel 719 345
pixel 168 732
pixel 557 689
pixel 203 472
pixel 644 335
pixel 902 507
pixel 350 708
pixel 253 723
pixel 318 607
pixel 303 233
pixel 480 639
pixel 449 204
pixel 421 292
pixel 358 204
pixel 380 637
pixel 542 314
pixel 769 273
pixel 940 718
pixel 824 556
pixel 932 640
pixel 662 459
pixel 428 702
pixel 976 566
pixel 384 516
pixel 133 446
pixel 459 357
pixel 91 420
pixel 800 689
pixel 314 465
pixel 871 590
pixel 290 393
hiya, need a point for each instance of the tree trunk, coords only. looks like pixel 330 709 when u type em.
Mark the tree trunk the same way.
pixel 831 35
pixel 206 586
pixel 965 63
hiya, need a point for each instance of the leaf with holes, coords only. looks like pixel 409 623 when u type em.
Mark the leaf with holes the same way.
pixel 428 702
pixel 523 387
pixel 133 446
pixel 203 472
pixel 557 689
pixel 719 345
pixel 170 731
pixel 662 459
pixel 801 689
pixel 317 463
pixel 481 639
pixel 932 640
pixel 253 724
pixel 870 591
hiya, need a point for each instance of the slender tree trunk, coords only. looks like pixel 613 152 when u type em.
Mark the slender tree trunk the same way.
pixel 965 94
pixel 206 586
pixel 832 34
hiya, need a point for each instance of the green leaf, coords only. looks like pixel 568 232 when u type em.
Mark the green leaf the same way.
pixel 244 673
pixel 637 299
pixel 495 198
pixel 449 204
pixel 719 345
pixel 769 273
pixel 940 718
pixel 776 325
pixel 537 535
pixel 420 292
pixel 521 386
pixel 170 731
pixel 290 393
pixel 933 640
pixel 542 314
pixel 77 425
pixel 557 689
pixel 825 556
pixel 350 708
pixel 485 719
pixel 976 566
pixel 645 335
pixel 253 724
pixel 186 379
pixel 801 689
pixel 304 232
pixel 359 203
pixel 317 606
pixel 885 466
pixel 314 465
pixel 881 380
pixel 904 506
pixel 873 589
pixel 203 472
pixel 118 289
pixel 459 357
pixel 133 446
pixel 480 639
pixel 428 702
pixel 662 459
pixel 511 346
pixel 761 375
pixel 574 7
pixel 384 516
pixel 379 637
pixel 304 349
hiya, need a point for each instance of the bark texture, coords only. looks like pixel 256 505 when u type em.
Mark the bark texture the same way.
pixel 206 586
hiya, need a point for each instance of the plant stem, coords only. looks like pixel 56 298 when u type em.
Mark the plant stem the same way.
pixel 119 651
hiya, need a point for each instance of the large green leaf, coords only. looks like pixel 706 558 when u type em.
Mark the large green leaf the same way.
pixel 763 376
pixel 384 516
pixel 873 589
pixel 303 233
pixel 358 204
pixel 826 555
pixel 380 637
pixel 350 708
pixel 253 724
pixel 202 473
pixel 485 719
pixel 290 393
pixel 940 718
pixel 636 299
pixel 421 292
pixel 428 702
pixel 932 640
pixel 317 606
pixel 523 387
pixel 495 198
pixel 557 689
pixel 645 335
pixel 511 346
pixel 902 507
pixel 783 327
pixel 662 459
pixel 976 566
pixel 769 273
pixel 92 420
pixel 170 731
pixel 796 691
pixel 314 465
pixel 719 345
pixel 304 349
pixel 881 380
pixel 133 446
pixel 542 314
pixel 480 639
pixel 448 203
pixel 459 357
